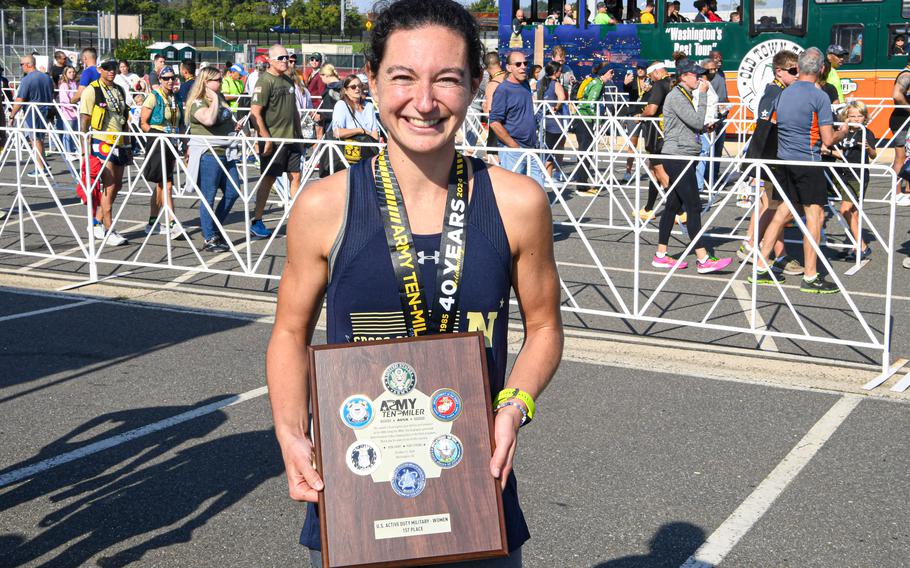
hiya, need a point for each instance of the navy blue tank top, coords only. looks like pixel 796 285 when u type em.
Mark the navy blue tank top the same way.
pixel 362 302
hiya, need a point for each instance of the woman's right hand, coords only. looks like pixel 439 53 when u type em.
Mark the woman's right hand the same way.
pixel 211 95
pixel 304 483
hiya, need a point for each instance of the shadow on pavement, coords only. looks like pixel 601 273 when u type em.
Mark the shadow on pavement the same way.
pixel 670 547
pixel 140 488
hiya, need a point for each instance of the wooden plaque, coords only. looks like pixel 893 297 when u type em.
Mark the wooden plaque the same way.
pixel 403 431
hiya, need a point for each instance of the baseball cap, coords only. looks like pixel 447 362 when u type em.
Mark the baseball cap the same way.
pixel 108 65
pixel 316 56
pixel 836 49
pixel 238 69
pixel 688 66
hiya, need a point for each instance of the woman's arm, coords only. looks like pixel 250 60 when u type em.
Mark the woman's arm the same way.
pixel 315 220
pixel 208 115
pixel 526 215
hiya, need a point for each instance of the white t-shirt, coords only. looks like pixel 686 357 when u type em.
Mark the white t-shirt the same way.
pixel 251 82
pixel 127 82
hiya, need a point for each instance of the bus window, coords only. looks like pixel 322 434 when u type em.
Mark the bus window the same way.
pixel 538 11
pixel 905 8
pixel 850 36
pixel 898 34
pixel 787 16
pixel 722 8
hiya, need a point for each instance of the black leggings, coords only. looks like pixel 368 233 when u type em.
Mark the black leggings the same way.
pixel 684 197
pixel 584 138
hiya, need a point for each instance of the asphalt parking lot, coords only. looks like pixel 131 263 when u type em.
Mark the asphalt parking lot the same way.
pixel 140 434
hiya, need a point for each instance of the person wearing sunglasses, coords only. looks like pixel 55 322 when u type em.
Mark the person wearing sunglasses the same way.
pixel 764 146
pixel 354 119
pixel 805 124
pixel 274 108
pixel 512 118
pixel 313 76
pixel 159 115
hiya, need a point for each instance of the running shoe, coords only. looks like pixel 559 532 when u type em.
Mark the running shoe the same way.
pixel 98 231
pixel 627 177
pixel 645 215
pixel 712 264
pixel 867 252
pixel 668 262
pixel 259 230
pixel 115 239
pixel 763 277
pixel 787 265
pixel 148 228
pixel 745 249
pixel 906 263
pixel 590 192
pixel 902 200
pixel 744 202
pixel 819 286
pixel 215 245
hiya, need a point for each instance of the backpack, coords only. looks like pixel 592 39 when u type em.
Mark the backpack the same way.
pixel 578 90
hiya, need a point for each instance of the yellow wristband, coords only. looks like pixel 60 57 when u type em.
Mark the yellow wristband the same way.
pixel 521 395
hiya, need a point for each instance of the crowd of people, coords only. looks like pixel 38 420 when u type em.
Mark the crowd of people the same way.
pixel 573 104
pixel 610 12
pixel 275 99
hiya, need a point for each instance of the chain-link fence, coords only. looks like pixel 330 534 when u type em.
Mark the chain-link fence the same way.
pixel 42 31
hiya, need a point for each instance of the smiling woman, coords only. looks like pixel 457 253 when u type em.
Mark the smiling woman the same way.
pixel 424 69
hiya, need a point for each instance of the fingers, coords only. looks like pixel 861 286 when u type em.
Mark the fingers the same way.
pixel 505 436
pixel 304 483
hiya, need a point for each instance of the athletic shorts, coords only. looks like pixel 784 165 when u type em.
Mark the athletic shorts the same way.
pixel 551 141
pixel 32 122
pixel 114 155
pixel 805 185
pixel 151 169
pixel 654 142
pixel 287 160
pixel 899 124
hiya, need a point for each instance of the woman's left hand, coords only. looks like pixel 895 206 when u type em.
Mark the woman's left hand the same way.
pixel 505 435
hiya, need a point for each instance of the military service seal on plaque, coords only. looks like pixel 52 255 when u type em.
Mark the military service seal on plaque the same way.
pixel 445 404
pixel 356 411
pixel 363 457
pixel 409 480
pixel 399 378
pixel 446 451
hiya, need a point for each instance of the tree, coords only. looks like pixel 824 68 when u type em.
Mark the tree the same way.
pixel 323 15
pixel 131 49
pixel 484 7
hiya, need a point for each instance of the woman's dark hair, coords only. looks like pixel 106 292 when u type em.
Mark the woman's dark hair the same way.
pixel 549 71
pixel 347 81
pixel 599 69
pixel 414 14
pixel 124 62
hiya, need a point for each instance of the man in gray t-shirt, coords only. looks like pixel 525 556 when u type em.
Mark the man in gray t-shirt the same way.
pixel 35 87
pixel 804 123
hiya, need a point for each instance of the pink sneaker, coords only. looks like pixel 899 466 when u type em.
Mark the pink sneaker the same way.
pixel 667 262
pixel 712 264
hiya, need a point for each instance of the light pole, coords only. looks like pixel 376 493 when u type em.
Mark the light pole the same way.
pixel 343 2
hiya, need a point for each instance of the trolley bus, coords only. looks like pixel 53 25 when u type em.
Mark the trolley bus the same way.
pixel 868 29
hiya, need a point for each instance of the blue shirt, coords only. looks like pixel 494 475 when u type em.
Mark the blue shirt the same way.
pixel 89 74
pixel 513 107
pixel 366 118
pixel 36 87
pixel 362 302
pixel 801 110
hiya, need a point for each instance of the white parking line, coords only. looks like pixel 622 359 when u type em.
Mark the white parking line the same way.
pixel 47 310
pixel 729 533
pixel 101 445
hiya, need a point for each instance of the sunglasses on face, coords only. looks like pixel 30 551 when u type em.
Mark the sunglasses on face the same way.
pixel 167 78
pixel 520 63
pixel 216 79
pixel 793 71
pixel 355 87
pixel 281 58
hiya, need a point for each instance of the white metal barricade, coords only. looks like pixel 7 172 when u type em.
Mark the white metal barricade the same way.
pixel 45 221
